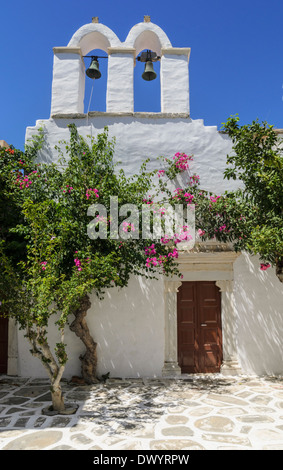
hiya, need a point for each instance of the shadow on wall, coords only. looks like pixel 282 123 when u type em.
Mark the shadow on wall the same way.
pixel 128 326
pixel 259 307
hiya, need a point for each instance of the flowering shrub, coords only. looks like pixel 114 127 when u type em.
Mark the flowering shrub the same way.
pixel 256 212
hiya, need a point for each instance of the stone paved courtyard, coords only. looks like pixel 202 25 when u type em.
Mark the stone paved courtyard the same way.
pixel 205 412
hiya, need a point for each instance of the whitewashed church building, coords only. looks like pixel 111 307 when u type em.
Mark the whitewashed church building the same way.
pixel 225 315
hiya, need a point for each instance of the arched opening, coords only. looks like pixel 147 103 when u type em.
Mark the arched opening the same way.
pixel 95 89
pixel 147 94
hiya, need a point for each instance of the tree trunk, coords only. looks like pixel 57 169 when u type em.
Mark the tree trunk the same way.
pixel 80 328
pixel 57 399
pixel 41 349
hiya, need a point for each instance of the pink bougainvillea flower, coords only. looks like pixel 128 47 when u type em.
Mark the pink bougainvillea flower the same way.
pixel 264 266
pixel 173 254
pixel 90 190
pixel 214 199
pixel 43 265
pixel 128 227
pixel 150 250
pixel 182 161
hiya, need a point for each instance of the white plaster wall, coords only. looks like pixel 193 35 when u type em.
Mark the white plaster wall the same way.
pixel 120 88
pixel 259 307
pixel 138 138
pixel 174 84
pixel 128 326
pixel 30 366
pixel 68 83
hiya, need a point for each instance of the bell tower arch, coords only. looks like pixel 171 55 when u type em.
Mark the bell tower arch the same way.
pixel 68 85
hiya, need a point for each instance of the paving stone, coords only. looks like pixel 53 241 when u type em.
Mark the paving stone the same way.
pixel 266 436
pixel 134 445
pixel 14 401
pixel 32 391
pixel 176 409
pixel 99 430
pixel 227 399
pixel 261 400
pixel 81 439
pixel 215 424
pixel 255 419
pixel 177 431
pixel 245 429
pixel 263 409
pixel 244 394
pixel 45 397
pixel 78 427
pixel 34 440
pixel 13 410
pixel 202 410
pixel 21 423
pixel 10 433
pixel 229 438
pixel 235 411
pixel 39 422
pixel 63 447
pixel 60 422
pixel 4 422
pixel 176 419
pixel 175 444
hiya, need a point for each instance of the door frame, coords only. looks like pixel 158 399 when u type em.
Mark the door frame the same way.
pixel 214 263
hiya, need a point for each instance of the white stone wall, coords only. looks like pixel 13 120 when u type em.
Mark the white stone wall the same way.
pixel 259 307
pixel 128 326
pixel 141 135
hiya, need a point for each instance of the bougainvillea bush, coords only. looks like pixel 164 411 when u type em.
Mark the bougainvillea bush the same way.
pixel 59 264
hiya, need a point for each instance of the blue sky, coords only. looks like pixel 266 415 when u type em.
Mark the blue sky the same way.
pixel 236 63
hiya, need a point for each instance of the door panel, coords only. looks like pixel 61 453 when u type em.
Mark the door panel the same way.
pixel 199 327
pixel 186 326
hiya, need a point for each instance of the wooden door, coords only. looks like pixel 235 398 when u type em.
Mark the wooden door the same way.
pixel 199 327
pixel 3 345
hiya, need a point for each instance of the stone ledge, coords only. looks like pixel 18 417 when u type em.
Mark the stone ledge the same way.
pixel 127 114
pixel 67 50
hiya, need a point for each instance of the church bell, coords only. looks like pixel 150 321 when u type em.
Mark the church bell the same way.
pixel 149 73
pixel 148 57
pixel 93 70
